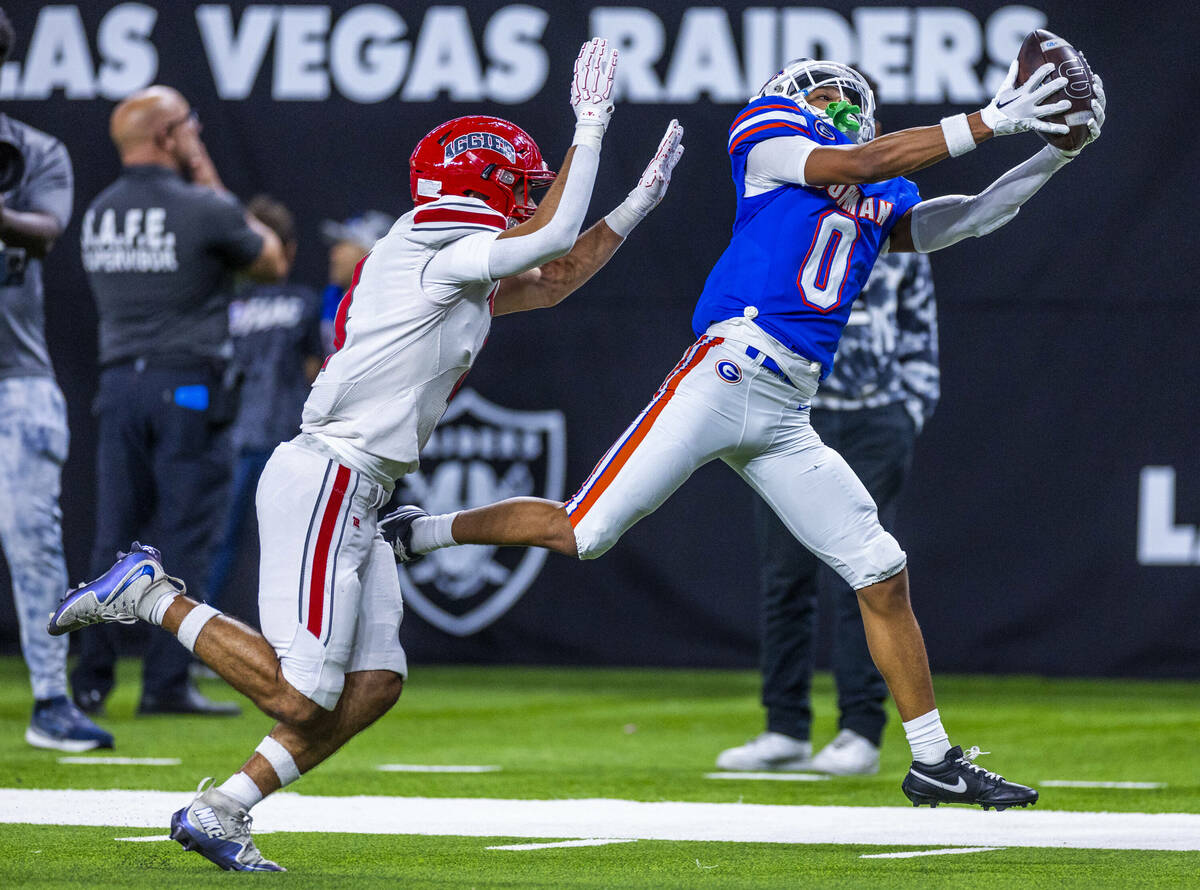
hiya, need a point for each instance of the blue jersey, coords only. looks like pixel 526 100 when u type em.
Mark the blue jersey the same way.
pixel 799 255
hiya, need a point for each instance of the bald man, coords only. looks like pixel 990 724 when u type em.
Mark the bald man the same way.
pixel 159 247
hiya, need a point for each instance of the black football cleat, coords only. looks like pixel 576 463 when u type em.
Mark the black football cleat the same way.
pixel 957 780
pixel 396 529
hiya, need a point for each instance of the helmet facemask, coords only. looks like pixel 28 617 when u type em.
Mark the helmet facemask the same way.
pixel 519 186
pixel 853 113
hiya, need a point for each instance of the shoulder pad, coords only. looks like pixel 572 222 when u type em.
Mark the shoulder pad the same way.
pixel 447 219
pixel 767 118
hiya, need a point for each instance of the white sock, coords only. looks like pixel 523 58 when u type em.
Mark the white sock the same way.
pixel 241 788
pixel 153 604
pixel 432 533
pixel 927 738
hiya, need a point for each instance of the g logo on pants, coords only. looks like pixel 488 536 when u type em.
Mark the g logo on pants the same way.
pixel 728 371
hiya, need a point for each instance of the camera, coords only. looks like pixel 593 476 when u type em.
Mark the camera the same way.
pixel 12 259
pixel 12 165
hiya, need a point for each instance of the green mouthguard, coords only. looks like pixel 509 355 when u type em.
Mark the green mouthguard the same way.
pixel 839 112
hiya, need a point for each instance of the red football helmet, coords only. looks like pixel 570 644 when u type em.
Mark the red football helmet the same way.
pixel 481 154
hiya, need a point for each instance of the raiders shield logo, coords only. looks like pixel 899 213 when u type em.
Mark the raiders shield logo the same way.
pixel 480 453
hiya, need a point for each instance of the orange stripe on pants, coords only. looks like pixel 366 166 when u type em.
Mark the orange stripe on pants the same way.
pixel 621 457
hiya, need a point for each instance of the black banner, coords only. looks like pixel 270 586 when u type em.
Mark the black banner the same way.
pixel 1052 517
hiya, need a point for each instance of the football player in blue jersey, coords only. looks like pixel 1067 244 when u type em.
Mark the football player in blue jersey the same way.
pixel 818 199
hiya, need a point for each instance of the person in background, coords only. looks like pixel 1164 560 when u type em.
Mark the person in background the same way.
pixel 160 246
pixel 276 331
pixel 870 409
pixel 349 242
pixel 36 194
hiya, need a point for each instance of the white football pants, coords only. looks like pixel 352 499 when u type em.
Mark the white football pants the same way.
pixel 718 402
pixel 328 593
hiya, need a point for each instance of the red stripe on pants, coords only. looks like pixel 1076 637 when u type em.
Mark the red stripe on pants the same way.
pixel 316 579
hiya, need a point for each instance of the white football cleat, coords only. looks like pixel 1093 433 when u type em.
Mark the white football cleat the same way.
pixel 768 751
pixel 218 828
pixel 118 594
pixel 849 754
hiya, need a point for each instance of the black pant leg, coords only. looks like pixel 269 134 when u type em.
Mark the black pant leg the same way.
pixel 124 503
pixel 878 444
pixel 191 465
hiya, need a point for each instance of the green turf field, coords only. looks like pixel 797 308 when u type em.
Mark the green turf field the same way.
pixel 630 735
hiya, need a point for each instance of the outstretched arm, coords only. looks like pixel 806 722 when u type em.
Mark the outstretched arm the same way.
pixel 550 283
pixel 1013 110
pixel 552 230
pixel 940 222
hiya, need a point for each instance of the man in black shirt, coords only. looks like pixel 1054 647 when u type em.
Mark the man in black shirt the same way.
pixel 276 331
pixel 159 246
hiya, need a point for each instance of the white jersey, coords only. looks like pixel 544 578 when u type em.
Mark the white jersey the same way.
pixel 406 333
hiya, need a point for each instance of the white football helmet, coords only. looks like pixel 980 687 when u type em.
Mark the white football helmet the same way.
pixel 800 76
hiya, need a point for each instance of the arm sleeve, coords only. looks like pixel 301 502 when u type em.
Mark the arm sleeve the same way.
pixel 917 349
pixel 459 262
pixel 230 236
pixel 512 256
pixel 51 186
pixel 777 161
pixel 940 222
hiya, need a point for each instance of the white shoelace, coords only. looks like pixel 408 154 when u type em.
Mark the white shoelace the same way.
pixel 970 755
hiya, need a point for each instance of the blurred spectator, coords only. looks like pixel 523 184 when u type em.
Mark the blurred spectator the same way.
pixel 159 251
pixel 349 242
pixel 36 194
pixel 276 331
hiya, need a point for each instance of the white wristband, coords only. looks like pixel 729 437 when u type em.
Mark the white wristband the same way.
pixel 957 132
pixel 589 133
pixel 622 220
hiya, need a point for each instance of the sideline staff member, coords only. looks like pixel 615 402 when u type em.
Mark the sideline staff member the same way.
pixel 159 251
pixel 36 193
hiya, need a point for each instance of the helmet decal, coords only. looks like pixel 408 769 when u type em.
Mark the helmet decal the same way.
pixel 470 141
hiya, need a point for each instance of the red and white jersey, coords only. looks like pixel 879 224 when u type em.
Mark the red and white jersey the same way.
pixel 405 334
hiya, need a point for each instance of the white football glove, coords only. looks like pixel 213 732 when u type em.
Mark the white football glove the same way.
pixel 1099 106
pixel 1016 109
pixel 651 188
pixel 591 85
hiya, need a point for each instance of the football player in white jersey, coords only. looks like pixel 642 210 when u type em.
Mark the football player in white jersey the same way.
pixel 329 660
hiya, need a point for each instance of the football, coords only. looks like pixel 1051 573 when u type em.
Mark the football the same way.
pixel 1041 47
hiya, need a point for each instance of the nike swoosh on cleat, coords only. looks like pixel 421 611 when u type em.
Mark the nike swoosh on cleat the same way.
pixel 959 788
pixel 146 570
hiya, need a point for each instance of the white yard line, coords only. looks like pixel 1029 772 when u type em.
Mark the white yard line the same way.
pixel 913 854
pixel 433 768
pixel 1072 783
pixel 144 838
pixel 658 820
pixel 122 761
pixel 771 777
pixel 582 842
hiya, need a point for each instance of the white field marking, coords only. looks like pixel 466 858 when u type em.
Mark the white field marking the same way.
pixel 123 761
pixel 432 768
pixel 1071 783
pixel 913 854
pixel 144 838
pixel 582 842
pixel 771 777
pixel 658 820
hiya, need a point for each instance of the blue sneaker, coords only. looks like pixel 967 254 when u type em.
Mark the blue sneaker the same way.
pixel 218 828
pixel 117 594
pixel 57 724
